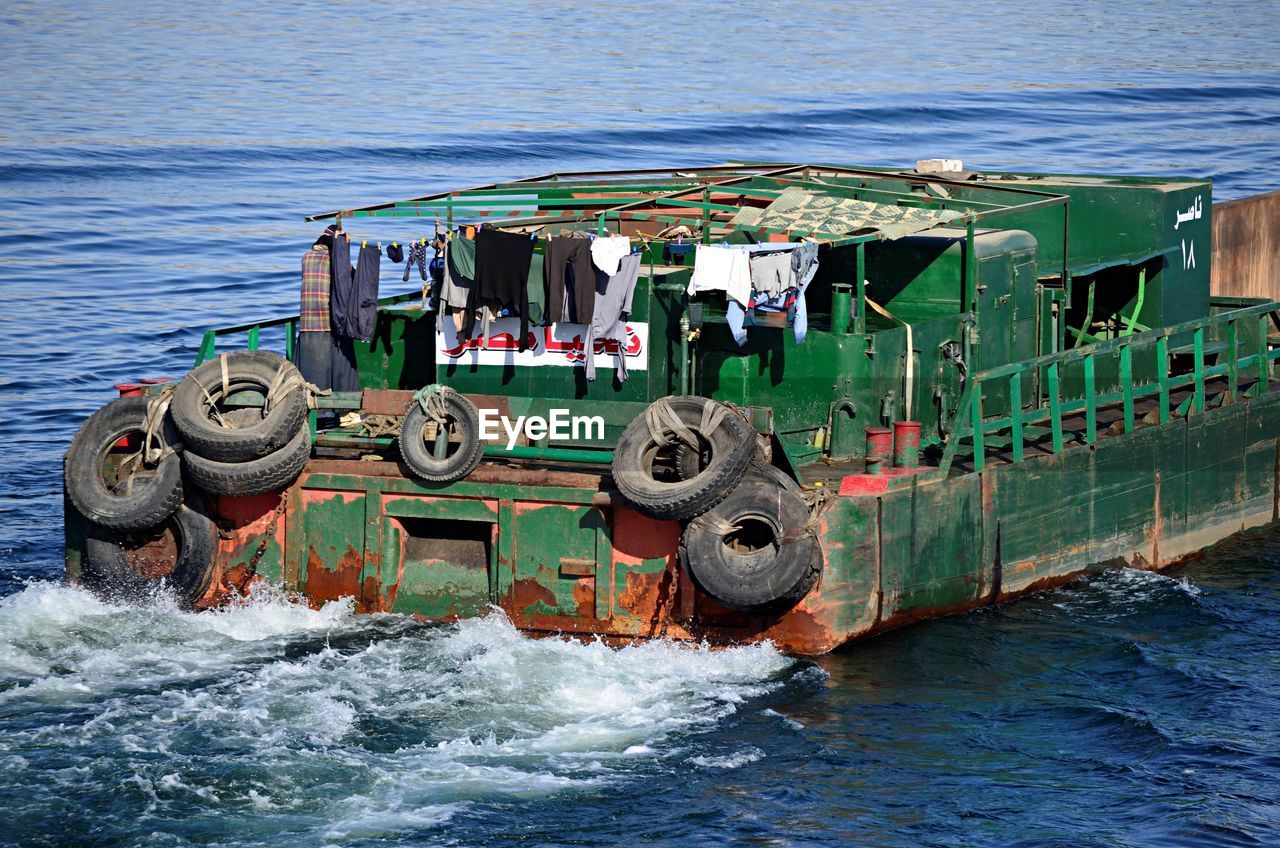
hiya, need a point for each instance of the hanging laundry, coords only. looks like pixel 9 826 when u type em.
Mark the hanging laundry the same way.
pixel 537 291
pixel 344 373
pixel 315 356
pixel 771 274
pixel 341 274
pixel 502 278
pixel 455 289
pixel 561 254
pixel 417 256
pixel 802 261
pixel 722 268
pixel 610 318
pixel 804 266
pixel 672 251
pixel 607 252
pixel 353 306
pixel 396 254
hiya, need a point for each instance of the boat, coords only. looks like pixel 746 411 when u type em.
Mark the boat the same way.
pixel 1006 381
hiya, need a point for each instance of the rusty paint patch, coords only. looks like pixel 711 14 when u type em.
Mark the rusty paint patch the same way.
pixel 527 595
pixel 584 598
pixel 343 581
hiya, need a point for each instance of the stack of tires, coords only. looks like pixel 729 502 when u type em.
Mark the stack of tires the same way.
pixel 137 468
pixel 747 543
pixel 245 450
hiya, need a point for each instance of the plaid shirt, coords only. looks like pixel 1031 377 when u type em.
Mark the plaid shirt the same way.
pixel 314 315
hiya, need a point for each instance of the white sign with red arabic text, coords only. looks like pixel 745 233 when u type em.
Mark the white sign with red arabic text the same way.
pixel 558 344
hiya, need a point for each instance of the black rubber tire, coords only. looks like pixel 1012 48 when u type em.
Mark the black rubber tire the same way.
pixel 155 494
pixel 781 569
pixel 267 474
pixel 246 370
pixel 467 450
pixel 636 458
pixel 765 472
pixel 109 570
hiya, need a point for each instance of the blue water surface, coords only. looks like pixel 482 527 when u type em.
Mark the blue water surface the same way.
pixel 156 161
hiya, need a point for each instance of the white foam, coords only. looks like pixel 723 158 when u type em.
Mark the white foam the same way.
pixel 731 761
pixel 411 724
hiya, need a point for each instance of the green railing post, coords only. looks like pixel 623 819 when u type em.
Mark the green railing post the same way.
pixel 290 340
pixel 1015 413
pixel 975 416
pixel 1162 376
pixel 207 343
pixel 1233 363
pixel 1126 386
pixel 1090 403
pixel 1264 378
pixel 1055 407
pixel 253 336
pixel 1198 370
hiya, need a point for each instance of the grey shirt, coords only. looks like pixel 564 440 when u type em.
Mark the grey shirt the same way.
pixel 608 319
pixel 771 273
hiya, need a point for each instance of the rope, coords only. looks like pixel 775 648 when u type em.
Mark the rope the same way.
pixel 375 425
pixel 281 387
pixel 153 427
pixel 213 405
pixel 226 380
pixel 154 448
pixel 661 419
pixel 432 400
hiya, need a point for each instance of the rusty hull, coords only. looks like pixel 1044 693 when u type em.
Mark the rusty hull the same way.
pixel 559 551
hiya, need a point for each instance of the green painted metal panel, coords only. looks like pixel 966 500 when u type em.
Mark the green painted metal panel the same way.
pixel 557 560
pixel 332 537
pixel 1216 441
pixel 931 545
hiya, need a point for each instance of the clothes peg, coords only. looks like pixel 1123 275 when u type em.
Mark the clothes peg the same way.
pixel 379 245
pixel 364 243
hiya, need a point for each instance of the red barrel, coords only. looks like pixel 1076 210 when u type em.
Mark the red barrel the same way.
pixel 879 449
pixel 906 444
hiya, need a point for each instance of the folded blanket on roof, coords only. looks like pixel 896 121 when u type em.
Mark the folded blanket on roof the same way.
pixel 803 211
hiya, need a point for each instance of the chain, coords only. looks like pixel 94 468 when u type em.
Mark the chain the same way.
pixel 251 568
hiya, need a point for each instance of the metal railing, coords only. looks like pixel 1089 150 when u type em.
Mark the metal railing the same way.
pixel 1223 332
pixel 253 332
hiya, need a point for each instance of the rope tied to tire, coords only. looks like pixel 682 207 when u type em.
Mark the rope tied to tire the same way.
pixel 819 503
pixel 154 447
pixel 661 419
pixel 286 380
pixel 432 399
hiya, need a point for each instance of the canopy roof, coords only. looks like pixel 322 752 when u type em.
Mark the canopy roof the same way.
pixel 822 202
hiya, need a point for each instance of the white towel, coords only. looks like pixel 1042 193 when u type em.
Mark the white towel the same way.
pixel 607 252
pixel 724 269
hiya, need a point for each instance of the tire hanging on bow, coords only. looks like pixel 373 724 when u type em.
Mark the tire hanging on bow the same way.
pixel 682 456
pixel 122 471
pixel 218 431
pixel 440 435
pixel 176 557
pixel 757 550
